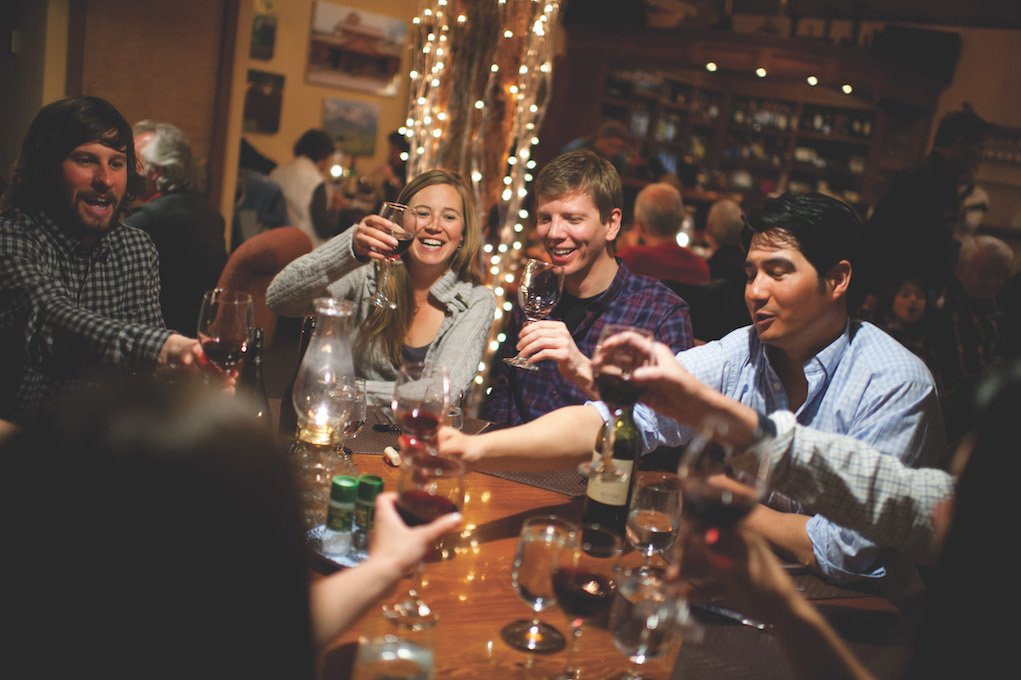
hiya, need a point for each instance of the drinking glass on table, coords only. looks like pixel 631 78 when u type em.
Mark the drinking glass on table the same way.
pixel 402 224
pixel 654 516
pixel 539 289
pixel 532 576
pixel 421 399
pixel 646 619
pixel 427 488
pixel 584 582
pixel 225 326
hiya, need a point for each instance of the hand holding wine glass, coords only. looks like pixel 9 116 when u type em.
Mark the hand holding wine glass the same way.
pixel 584 581
pixel 616 359
pixel 427 489
pixel 225 327
pixel 539 290
pixel 399 221
pixel 718 491
pixel 540 539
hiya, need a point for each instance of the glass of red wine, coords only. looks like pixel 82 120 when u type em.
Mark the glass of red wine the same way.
pixel 616 361
pixel 402 225
pixel 225 327
pixel 584 582
pixel 421 401
pixel 427 488
pixel 539 289
pixel 719 489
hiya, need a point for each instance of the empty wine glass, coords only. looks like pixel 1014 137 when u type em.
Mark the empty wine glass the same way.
pixel 427 488
pixel 654 516
pixel 403 224
pixel 354 397
pixel 421 399
pixel 532 576
pixel 646 619
pixel 225 326
pixel 584 582
pixel 539 289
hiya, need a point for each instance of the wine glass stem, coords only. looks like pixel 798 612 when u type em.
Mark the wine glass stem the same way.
pixel 572 671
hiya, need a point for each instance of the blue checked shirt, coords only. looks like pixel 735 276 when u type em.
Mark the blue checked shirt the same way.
pixel 851 482
pixel 66 309
pixel 519 396
pixel 865 385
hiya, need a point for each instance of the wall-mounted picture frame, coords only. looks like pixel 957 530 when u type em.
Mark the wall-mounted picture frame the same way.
pixel 264 30
pixel 264 93
pixel 353 125
pixel 355 49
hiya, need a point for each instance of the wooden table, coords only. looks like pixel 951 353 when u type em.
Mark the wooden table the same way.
pixel 470 588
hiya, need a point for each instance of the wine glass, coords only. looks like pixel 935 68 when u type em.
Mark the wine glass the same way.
pixel 617 361
pixel 532 577
pixel 225 326
pixel 539 290
pixel 719 489
pixel 403 224
pixel 455 413
pixel 584 582
pixel 646 618
pixel 421 399
pixel 427 488
pixel 654 516
pixel 354 397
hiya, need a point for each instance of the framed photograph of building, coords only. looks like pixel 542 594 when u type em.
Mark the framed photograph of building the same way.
pixel 355 49
pixel 352 124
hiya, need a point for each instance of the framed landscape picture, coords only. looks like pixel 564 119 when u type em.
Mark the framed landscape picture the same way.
pixel 355 49
pixel 352 124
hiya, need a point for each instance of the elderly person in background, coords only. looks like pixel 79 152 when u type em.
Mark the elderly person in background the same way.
pixel 187 232
pixel 79 290
pixel 966 329
pixel 659 215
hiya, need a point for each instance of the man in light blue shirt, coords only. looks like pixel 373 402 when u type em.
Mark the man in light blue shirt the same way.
pixel 801 354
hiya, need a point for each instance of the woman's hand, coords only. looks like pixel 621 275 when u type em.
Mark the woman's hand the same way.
pixel 372 238
pixel 396 545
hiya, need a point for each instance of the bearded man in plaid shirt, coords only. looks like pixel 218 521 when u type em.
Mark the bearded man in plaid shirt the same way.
pixel 79 290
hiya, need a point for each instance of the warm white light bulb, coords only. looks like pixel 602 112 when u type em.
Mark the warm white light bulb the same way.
pixel 711 66
pixel 812 80
pixel 760 72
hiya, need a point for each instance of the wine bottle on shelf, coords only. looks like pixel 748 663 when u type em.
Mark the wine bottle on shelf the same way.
pixel 250 383
pixel 288 418
pixel 611 479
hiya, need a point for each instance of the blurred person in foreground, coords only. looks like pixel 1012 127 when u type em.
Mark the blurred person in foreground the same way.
pixel 802 354
pixel 578 217
pixel 187 232
pixel 79 289
pixel 186 555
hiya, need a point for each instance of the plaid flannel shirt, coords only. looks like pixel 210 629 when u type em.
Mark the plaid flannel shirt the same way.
pixel 66 309
pixel 520 396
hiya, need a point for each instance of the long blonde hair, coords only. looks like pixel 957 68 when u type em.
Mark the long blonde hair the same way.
pixel 386 329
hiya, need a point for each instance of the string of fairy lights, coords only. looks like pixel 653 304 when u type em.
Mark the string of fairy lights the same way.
pixel 480 75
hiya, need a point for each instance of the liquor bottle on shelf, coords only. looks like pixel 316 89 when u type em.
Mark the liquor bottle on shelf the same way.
pixel 250 383
pixel 612 474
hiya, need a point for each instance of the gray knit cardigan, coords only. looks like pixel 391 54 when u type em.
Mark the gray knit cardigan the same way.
pixel 333 270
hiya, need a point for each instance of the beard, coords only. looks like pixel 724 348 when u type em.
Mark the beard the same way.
pixel 82 219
